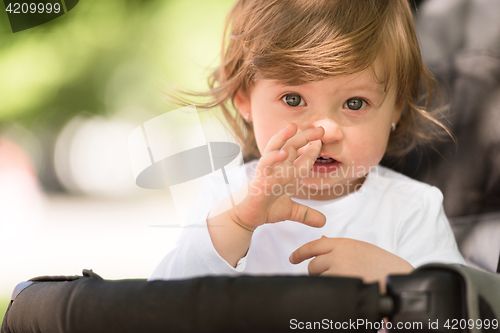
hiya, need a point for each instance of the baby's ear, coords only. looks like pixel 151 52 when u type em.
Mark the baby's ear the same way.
pixel 398 110
pixel 242 101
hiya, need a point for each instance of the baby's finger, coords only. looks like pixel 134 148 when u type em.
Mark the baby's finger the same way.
pixel 279 139
pixel 300 140
pixel 319 265
pixel 305 162
pixel 267 161
pixel 307 215
pixel 312 249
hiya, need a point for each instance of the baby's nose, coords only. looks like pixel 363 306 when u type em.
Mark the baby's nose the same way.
pixel 333 132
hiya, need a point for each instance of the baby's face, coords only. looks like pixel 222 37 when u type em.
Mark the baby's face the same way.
pixel 352 110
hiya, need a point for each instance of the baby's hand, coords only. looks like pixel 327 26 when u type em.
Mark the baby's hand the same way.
pixel 276 178
pixel 349 257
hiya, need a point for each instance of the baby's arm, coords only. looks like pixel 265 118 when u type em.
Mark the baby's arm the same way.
pixel 231 231
pixel 230 239
pixel 350 257
pixel 423 236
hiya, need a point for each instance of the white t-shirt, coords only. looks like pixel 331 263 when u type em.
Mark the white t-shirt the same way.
pixel 394 212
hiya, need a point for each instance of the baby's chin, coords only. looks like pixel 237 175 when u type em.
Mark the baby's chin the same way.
pixel 315 190
pixel 321 183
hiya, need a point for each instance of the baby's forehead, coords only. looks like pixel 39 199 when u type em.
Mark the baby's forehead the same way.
pixel 375 78
pixel 376 75
pixel 366 80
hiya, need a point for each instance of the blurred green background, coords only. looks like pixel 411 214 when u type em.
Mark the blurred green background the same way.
pixel 108 59
pixel 53 71
pixel 100 59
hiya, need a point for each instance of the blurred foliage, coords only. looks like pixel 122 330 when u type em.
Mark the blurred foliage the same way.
pixel 104 56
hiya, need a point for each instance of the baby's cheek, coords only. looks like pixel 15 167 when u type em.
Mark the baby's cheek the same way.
pixel 262 138
pixel 368 154
pixel 264 130
pixel 376 141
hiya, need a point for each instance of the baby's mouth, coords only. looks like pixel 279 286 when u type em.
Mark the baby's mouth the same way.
pixel 325 165
pixel 324 160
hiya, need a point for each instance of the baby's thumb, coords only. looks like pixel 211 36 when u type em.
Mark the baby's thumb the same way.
pixel 307 215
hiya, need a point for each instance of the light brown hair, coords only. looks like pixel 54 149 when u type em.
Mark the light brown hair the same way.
pixel 301 41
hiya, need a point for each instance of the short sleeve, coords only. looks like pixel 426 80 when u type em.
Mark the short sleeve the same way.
pixel 424 233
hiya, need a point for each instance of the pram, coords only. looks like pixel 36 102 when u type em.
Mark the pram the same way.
pixel 436 298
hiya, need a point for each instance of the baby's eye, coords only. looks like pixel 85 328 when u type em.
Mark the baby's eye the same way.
pixel 354 103
pixel 293 100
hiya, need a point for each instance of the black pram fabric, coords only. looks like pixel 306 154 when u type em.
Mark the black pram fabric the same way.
pixel 435 292
pixel 210 304
pixel 466 171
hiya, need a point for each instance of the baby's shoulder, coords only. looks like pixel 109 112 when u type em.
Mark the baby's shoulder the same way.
pixel 384 181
